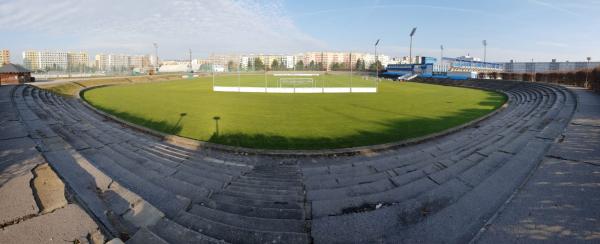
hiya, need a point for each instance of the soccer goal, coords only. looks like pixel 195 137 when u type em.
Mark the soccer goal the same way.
pixel 296 80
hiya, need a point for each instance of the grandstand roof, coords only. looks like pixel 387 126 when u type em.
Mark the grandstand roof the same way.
pixel 13 68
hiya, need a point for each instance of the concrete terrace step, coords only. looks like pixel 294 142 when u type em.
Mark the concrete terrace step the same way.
pixel 236 234
pixel 172 232
pixel 257 223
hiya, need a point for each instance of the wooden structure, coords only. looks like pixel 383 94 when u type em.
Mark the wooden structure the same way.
pixel 14 74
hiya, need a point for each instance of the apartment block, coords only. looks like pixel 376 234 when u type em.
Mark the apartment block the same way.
pixel 4 57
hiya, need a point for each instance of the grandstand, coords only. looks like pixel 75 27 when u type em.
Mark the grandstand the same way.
pixel 217 194
pixel 461 68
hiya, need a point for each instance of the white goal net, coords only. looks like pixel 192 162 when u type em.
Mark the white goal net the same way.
pixel 293 82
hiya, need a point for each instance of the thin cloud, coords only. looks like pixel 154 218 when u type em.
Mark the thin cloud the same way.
pixel 204 25
pixel 552 44
pixel 387 6
pixel 554 6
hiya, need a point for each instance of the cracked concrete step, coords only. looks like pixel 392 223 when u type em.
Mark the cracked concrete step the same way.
pixel 145 236
pixel 173 232
pixel 48 188
pixel 218 197
pixel 164 200
pixel 260 212
pixel 164 180
pixel 262 196
pixel 68 224
pixel 235 234
pixel 256 223
pixel 471 210
pixel 265 186
pixel 18 200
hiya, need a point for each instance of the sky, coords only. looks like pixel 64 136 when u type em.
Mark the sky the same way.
pixel 520 30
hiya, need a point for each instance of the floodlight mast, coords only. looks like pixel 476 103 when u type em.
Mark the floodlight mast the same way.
pixel 412 33
pixel 587 72
pixel 156 55
pixel 191 67
pixel 350 62
pixel 376 60
pixel 441 56
pixel 484 50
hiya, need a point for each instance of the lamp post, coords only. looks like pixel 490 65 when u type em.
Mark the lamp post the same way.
pixel 156 56
pixel 532 71
pixel 587 72
pixel 412 33
pixel 376 60
pixel 441 56
pixel 484 51
pixel 191 67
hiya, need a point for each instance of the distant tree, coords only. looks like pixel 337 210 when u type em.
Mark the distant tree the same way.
pixel 258 64
pixel 312 65
pixel 337 66
pixel 300 65
pixel 230 66
pixel 360 65
pixel 319 66
pixel 374 66
pixel 275 65
pixel 249 65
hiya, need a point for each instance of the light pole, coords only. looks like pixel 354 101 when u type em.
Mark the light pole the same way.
pixel 484 51
pixel 412 33
pixel 156 56
pixel 191 67
pixel 350 62
pixel 587 72
pixel 532 71
pixel 376 60
pixel 441 56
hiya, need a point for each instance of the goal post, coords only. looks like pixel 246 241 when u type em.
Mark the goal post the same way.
pixel 283 82
pixel 295 79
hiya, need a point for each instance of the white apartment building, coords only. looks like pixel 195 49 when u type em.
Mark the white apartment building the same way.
pixel 330 58
pixel 139 61
pixel 31 60
pixel 78 60
pixel 4 57
pixel 121 62
pixel 54 60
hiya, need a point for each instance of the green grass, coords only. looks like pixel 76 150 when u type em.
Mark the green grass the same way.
pixel 295 121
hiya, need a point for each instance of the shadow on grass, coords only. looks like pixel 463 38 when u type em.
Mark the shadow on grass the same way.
pixel 394 130
pixel 159 125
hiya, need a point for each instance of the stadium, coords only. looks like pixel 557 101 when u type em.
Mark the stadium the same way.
pixel 264 136
pixel 173 159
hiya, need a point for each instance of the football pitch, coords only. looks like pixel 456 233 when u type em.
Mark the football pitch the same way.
pixel 398 111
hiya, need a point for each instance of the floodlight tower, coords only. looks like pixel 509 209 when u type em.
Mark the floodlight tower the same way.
pixel 412 33
pixel 156 55
pixel 376 61
pixel 441 55
pixel 587 72
pixel 191 67
pixel 484 50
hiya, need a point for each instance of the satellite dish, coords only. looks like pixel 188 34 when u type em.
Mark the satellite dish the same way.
pixel 442 47
pixel 484 42
pixel 413 31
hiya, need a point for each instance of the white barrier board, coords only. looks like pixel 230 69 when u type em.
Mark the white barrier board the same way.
pixel 296 90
